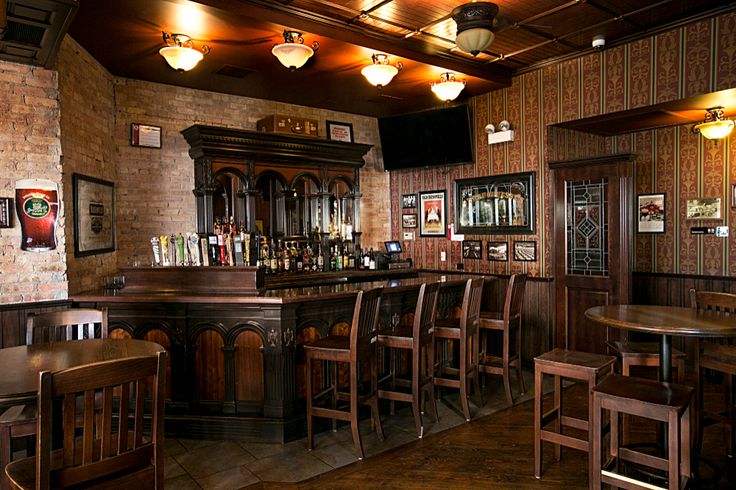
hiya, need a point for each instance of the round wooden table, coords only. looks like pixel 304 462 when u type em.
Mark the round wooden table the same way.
pixel 22 364
pixel 664 321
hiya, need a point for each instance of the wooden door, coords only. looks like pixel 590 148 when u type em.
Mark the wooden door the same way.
pixel 592 236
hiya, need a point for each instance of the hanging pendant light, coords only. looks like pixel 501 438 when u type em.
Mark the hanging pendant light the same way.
pixel 292 53
pixel 179 52
pixel 448 88
pixel 381 72
pixel 474 26
pixel 715 126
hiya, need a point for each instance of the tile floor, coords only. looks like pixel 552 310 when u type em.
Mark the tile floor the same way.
pixel 199 464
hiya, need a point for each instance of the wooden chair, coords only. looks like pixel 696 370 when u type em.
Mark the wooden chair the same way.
pixel 360 346
pixel 508 323
pixel 664 402
pixel 121 451
pixel 645 354
pixel 419 340
pixel 718 355
pixel 20 420
pixel 465 332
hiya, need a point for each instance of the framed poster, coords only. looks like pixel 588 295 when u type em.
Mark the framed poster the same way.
pixel 145 135
pixel 338 131
pixel 650 215
pixel 704 208
pixel 6 215
pixel 409 220
pixel 433 213
pixel 94 215
pixel 408 201
pixel 498 251
pixel 472 249
pixel 525 251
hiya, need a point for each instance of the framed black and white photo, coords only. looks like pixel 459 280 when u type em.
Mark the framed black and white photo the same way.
pixel 525 251
pixel 472 249
pixel 409 201
pixel 409 220
pixel 339 131
pixel 498 251
pixel 650 213
pixel 432 213
pixel 703 208
pixel 94 215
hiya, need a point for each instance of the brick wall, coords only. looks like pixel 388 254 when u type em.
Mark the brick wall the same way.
pixel 30 147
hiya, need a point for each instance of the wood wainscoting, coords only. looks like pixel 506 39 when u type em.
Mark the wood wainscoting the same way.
pixel 13 319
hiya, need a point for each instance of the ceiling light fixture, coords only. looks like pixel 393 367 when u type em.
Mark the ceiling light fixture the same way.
pixel 381 72
pixel 715 126
pixel 448 88
pixel 179 52
pixel 474 26
pixel 292 53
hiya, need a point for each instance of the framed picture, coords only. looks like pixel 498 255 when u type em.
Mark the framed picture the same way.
pixel 500 204
pixel 432 213
pixel 409 201
pixel 145 135
pixel 650 213
pixel 498 251
pixel 525 251
pixel 409 220
pixel 472 249
pixel 733 195
pixel 338 131
pixel 6 215
pixel 94 215
pixel 705 208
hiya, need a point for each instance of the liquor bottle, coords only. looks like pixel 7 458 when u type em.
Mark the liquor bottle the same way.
pixel 337 259
pixel 345 257
pixel 320 259
pixel 367 260
pixel 286 258
pixel 273 259
pixel 372 261
pixel 300 261
pixel 351 259
pixel 359 258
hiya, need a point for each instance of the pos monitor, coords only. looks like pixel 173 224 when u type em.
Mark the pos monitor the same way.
pixel 393 247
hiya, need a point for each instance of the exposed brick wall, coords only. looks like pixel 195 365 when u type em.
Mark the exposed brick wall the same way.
pixel 87 124
pixel 30 147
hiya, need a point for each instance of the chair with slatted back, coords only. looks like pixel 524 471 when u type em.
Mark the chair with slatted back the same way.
pixel 356 349
pixel 465 332
pixel 718 355
pixel 122 450
pixel 18 421
pixel 508 324
pixel 418 339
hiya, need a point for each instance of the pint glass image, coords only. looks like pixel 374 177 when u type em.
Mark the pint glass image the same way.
pixel 37 205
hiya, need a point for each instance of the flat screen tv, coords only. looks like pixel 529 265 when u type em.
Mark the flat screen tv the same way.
pixel 428 138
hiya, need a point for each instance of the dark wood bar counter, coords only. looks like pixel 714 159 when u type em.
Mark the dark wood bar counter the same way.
pixel 235 363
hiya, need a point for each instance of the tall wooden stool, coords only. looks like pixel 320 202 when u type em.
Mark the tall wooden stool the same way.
pixel 664 402
pixel 562 363
pixel 645 354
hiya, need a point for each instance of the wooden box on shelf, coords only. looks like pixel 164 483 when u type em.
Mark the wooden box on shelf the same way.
pixel 300 126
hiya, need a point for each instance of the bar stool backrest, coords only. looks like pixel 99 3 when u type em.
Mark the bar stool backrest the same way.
pixel 711 301
pixel 514 298
pixel 365 319
pixel 426 310
pixel 470 316
pixel 71 324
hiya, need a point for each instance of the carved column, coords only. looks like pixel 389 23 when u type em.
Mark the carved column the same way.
pixel 356 207
pixel 279 357
pixel 204 188
pixel 228 353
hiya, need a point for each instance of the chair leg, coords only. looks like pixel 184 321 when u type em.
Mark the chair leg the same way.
pixel 430 384
pixel 730 412
pixel 537 422
pixel 558 419
pixel 416 395
pixel 310 439
pixel 506 371
pixel 335 388
pixel 475 369
pixel 463 378
pixel 699 426
pixel 354 410
pixel 5 453
pixel 522 388
pixel 594 478
pixel 375 414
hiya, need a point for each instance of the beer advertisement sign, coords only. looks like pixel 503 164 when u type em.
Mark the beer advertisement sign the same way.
pixel 94 215
pixel 37 207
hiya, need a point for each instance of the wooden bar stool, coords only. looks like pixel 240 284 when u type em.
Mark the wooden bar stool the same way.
pixel 664 402
pixel 563 363
pixel 645 354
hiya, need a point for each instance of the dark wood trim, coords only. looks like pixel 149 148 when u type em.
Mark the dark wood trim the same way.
pixel 503 276
pixel 601 160
pixel 673 275
pixel 36 305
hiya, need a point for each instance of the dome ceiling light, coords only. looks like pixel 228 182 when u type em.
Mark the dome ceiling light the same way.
pixel 448 88
pixel 180 53
pixel 474 26
pixel 715 126
pixel 292 53
pixel 381 72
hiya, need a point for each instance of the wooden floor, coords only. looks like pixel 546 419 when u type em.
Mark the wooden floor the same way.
pixel 492 452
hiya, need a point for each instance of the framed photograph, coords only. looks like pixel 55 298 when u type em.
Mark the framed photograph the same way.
pixel 525 251
pixel 409 201
pixel 145 135
pixel 94 215
pixel 497 204
pixel 433 213
pixel 409 220
pixel 705 208
pixel 733 195
pixel 6 213
pixel 498 251
pixel 650 215
pixel 472 249
pixel 338 131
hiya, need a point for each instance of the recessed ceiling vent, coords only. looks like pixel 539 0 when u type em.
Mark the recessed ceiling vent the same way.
pixel 34 29
pixel 233 71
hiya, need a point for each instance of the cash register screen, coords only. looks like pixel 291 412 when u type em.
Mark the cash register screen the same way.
pixel 393 247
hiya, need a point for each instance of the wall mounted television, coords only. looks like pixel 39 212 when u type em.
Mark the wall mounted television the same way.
pixel 427 138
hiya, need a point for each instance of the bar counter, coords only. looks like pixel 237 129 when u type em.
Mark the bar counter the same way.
pixel 236 369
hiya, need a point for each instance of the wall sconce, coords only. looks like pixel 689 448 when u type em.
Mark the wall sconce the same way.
pixel 503 135
pixel 474 26
pixel 179 52
pixel 715 126
pixel 381 72
pixel 292 53
pixel 448 88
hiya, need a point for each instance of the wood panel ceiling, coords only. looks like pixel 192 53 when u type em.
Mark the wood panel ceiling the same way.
pixel 125 36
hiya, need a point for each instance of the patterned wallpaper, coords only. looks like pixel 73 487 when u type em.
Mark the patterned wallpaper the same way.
pixel 695 59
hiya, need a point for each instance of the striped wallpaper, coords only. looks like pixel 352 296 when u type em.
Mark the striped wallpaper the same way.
pixel 691 60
